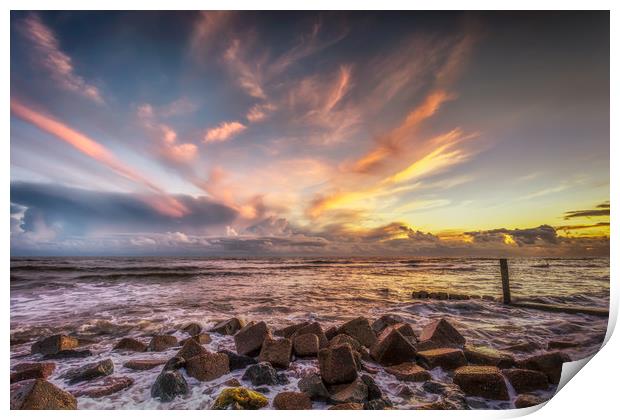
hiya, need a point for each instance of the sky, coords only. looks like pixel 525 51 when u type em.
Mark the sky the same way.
pixel 310 133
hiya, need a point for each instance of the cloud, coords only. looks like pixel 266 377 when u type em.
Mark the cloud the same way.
pixel 54 60
pixel 601 210
pixel 224 131
pixel 580 227
pixel 259 112
pixel 545 234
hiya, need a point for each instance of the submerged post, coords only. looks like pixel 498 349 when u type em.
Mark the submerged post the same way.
pixel 503 265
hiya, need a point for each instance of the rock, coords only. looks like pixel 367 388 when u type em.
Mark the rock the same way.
pixel 168 385
pixel 236 361
pixel 438 295
pixel 378 404
pixel 143 364
pixel 39 394
pixel 360 329
pixel 287 332
pixel 249 339
pixel 549 363
pixel 523 347
pixel 527 400
pixel 313 385
pixel 261 374
pixel 202 338
pixel 174 363
pixel 89 371
pixel 162 342
pixel 435 387
pixel 316 329
pixel 306 345
pixel 331 332
pixel 406 330
pixel 240 398
pixel 345 339
pixel 228 327
pixel 458 296
pixel 442 332
pixel 404 391
pixel 445 358
pixel 24 371
pixel 487 356
pixel 207 366
pixel 561 344
pixel 69 354
pixel 347 406
pixel 292 401
pixel 392 348
pixel 525 380
pixel 337 365
pixel 374 392
pixel 422 294
pixel 232 382
pixel 193 328
pixel 190 349
pixel 104 387
pixel 276 351
pixel 482 381
pixel 130 344
pixel 356 391
pixel 385 321
pixel 54 344
pixel 409 372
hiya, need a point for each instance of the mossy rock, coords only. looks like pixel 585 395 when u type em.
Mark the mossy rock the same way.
pixel 241 397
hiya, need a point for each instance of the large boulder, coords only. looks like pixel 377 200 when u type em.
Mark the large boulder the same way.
pixel 168 385
pixel 202 338
pixel 482 381
pixel 392 348
pixel 39 394
pixel 143 364
pixel 228 327
pixel 525 380
pixel 249 339
pixel 306 345
pixel 69 354
pixel 207 366
pixel 162 342
pixel 191 349
pixel 528 400
pixel 174 363
pixel 290 400
pixel 313 328
pixel 130 344
pixel 385 321
pixel 193 328
pixel 442 333
pixel 237 361
pixel 337 364
pixel 261 374
pixel 89 371
pixel 445 358
pixel 409 372
pixel 54 344
pixel 239 398
pixel 487 356
pixel 550 364
pixel 276 351
pixel 360 329
pixel 355 392
pixel 313 385
pixel 24 371
pixel 287 332
pixel 345 339
pixel 104 387
pixel 374 391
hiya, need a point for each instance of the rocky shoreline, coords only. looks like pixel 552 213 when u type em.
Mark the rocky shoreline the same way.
pixel 344 362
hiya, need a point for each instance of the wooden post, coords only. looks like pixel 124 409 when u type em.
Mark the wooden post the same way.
pixel 503 265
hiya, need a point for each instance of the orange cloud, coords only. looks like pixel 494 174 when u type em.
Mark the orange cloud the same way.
pixel 259 112
pixel 224 131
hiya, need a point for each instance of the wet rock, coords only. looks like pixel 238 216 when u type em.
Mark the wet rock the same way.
pixel 104 387
pixel 405 329
pixel 347 406
pixel 523 347
pixel 54 344
pixel 190 349
pixel 236 361
pixel 39 394
pixel 239 398
pixel 207 366
pixel 360 329
pixel 89 371
pixel 261 374
pixel 276 351
pixel 445 358
pixel 143 364
pixel 249 339
pixel 162 342
pixel 422 294
pixel 458 296
pixel 316 329
pixel 525 380
pixel 69 354
pixel 528 400
pixel 168 385
pixel 306 345
pixel 24 371
pixel 378 404
pixel 292 401
pixel 438 295
pixel 331 332
pixel 486 356
pixel 549 363
pixel 345 339
pixel 287 332
pixel 337 364
pixel 392 348
pixel 192 328
pixel 442 332
pixel 202 338
pixel 409 372
pixel 130 344
pixel 481 381
pixel 434 387
pixel 561 344
pixel 228 327
pixel 404 391
pixel 313 385
pixel 374 391
pixel 232 382
pixel 174 363
pixel 385 321
pixel 356 391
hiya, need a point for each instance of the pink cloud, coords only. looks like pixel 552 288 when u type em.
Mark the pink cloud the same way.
pixel 259 112
pixel 224 131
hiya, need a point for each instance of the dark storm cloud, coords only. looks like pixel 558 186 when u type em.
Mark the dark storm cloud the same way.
pixel 578 227
pixel 601 210
pixel 544 233
pixel 76 211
